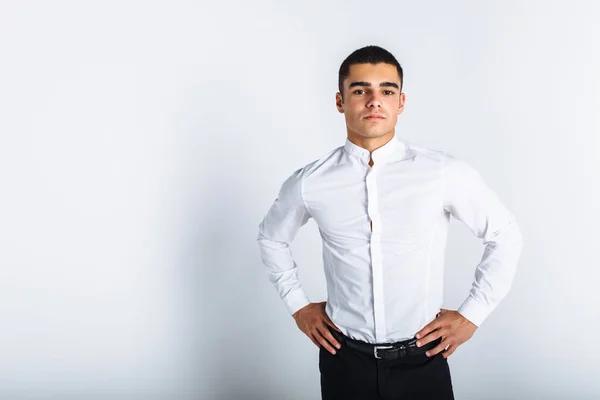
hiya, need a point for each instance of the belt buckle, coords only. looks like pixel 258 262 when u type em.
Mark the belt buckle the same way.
pixel 375 348
pixel 401 350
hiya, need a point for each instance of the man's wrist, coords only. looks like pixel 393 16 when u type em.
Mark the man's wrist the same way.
pixel 296 300
pixel 299 311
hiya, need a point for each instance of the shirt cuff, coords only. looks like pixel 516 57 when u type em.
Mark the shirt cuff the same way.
pixel 296 300
pixel 473 311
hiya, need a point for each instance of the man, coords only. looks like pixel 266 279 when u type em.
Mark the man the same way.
pixel 383 207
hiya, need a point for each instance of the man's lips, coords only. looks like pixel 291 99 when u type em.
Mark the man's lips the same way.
pixel 373 117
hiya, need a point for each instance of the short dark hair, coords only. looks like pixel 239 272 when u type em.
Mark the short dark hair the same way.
pixel 367 55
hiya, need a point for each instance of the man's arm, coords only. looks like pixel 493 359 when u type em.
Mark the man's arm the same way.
pixel 275 233
pixel 470 200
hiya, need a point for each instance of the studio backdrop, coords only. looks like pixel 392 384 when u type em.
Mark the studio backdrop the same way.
pixel 142 143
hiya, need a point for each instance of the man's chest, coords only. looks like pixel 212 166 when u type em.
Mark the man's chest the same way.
pixel 400 200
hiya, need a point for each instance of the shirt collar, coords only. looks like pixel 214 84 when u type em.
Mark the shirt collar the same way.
pixel 379 154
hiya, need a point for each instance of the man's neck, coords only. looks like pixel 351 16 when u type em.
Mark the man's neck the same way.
pixel 370 144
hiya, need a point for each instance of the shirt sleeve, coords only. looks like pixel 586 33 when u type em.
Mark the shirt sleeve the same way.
pixel 470 200
pixel 275 233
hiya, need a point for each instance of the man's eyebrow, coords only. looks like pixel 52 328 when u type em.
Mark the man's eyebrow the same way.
pixel 368 84
pixel 392 84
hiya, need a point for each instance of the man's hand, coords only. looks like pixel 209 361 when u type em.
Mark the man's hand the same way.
pixel 313 321
pixel 452 327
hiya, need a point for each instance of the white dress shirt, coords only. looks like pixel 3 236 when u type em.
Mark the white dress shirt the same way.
pixel 385 284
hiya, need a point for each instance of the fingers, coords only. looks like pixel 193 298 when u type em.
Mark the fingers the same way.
pixel 430 338
pixel 448 352
pixel 440 347
pixel 312 338
pixel 325 337
pixel 315 324
pixel 432 326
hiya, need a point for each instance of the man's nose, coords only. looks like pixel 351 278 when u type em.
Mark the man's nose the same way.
pixel 374 101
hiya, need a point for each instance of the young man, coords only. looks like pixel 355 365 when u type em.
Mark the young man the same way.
pixel 383 208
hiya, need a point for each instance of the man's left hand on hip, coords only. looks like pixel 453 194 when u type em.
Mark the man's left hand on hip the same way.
pixel 452 327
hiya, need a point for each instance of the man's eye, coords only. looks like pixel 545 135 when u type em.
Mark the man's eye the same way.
pixel 358 90
pixel 390 92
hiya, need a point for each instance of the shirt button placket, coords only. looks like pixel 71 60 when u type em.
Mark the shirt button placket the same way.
pixel 376 260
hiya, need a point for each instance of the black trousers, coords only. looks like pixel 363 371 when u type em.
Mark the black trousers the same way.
pixel 353 375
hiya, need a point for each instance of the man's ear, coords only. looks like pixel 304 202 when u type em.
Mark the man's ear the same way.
pixel 339 102
pixel 402 100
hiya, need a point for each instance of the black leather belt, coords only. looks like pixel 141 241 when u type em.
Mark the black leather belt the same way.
pixel 388 351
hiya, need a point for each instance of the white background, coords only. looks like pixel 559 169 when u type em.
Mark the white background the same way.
pixel 141 144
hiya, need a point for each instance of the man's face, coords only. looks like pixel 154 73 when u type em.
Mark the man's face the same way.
pixel 372 100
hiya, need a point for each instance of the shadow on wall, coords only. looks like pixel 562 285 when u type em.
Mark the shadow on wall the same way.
pixel 223 294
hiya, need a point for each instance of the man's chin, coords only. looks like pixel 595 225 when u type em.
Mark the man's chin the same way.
pixel 371 135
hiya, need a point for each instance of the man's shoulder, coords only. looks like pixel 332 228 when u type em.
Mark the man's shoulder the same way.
pixel 296 179
pixel 449 163
pixel 332 156
pixel 426 153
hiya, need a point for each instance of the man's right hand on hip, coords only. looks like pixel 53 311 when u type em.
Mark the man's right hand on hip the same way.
pixel 313 320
